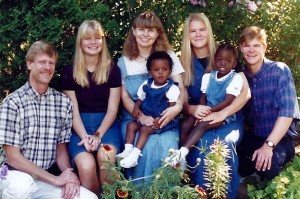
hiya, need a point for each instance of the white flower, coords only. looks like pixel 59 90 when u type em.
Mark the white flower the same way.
pixel 171 151
pixel 198 160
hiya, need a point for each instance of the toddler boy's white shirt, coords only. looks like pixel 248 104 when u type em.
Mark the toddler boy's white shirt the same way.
pixel 172 94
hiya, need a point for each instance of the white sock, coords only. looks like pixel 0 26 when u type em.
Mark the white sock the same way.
pixel 128 147
pixel 183 151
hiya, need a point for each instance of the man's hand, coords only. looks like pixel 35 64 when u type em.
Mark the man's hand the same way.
pixel 70 191
pixel 263 157
pixel 65 177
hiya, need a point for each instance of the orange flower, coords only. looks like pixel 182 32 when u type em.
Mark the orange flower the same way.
pixel 200 190
pixel 106 148
pixel 122 194
pixel 116 176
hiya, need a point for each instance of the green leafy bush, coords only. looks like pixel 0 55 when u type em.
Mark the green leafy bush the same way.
pixel 23 22
pixel 284 186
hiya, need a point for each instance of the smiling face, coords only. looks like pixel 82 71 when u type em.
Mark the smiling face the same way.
pixel 91 44
pixel 253 53
pixel 225 61
pixel 198 35
pixel 41 71
pixel 145 37
pixel 160 71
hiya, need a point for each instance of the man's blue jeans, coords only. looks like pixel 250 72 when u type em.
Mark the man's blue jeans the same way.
pixel 282 153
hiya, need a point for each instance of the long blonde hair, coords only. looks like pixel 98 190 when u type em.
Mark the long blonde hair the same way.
pixel 103 67
pixel 187 54
pixel 151 21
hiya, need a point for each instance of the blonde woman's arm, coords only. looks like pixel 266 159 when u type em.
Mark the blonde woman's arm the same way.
pixel 77 123
pixel 110 115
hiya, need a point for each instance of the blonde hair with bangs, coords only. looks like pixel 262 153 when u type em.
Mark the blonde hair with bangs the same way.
pixel 151 21
pixel 103 67
pixel 187 54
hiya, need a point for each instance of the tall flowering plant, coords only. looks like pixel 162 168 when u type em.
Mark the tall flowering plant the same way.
pixel 173 182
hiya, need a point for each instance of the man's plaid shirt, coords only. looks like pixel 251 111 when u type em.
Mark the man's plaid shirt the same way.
pixel 36 123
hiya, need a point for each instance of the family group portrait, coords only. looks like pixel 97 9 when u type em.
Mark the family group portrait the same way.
pixel 154 99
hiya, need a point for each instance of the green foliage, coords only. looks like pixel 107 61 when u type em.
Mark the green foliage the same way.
pixel 165 182
pixel 284 186
pixel 23 22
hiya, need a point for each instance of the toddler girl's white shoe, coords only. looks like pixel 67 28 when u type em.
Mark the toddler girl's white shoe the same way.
pixel 132 159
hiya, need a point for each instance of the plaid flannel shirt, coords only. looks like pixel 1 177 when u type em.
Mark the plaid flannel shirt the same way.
pixel 36 123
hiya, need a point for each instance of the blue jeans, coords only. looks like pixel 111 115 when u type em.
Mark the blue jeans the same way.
pixel 282 153
pixel 231 133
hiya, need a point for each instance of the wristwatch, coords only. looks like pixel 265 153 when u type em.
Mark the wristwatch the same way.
pixel 270 143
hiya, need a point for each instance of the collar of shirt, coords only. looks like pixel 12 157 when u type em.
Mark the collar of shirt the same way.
pixel 34 93
pixel 261 72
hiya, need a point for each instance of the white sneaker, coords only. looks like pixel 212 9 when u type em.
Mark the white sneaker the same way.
pixel 125 153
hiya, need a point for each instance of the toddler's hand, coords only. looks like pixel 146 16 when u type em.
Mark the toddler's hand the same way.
pixel 156 124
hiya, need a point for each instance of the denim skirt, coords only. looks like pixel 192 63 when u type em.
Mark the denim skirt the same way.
pixel 91 122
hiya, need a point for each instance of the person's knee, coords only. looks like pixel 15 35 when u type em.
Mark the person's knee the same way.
pixel 19 185
pixel 269 174
pixel 86 165
pixel 85 193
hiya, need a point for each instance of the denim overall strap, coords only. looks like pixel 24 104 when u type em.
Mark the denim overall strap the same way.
pixel 194 91
pixel 132 83
pixel 156 100
pixel 216 90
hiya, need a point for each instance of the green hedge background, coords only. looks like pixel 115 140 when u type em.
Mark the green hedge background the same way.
pixel 56 21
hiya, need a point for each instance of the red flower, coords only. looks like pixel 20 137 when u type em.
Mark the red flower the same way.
pixel 122 194
pixel 106 148
pixel 177 165
pixel 200 190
